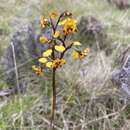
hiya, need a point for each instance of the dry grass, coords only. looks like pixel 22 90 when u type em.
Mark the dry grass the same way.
pixel 86 98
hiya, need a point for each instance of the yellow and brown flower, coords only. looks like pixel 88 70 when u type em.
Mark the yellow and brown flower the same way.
pixel 69 25
pixel 56 63
pixel 43 22
pixel 80 54
pixel 37 69
pixel 43 39
pixel 84 53
pixel 53 14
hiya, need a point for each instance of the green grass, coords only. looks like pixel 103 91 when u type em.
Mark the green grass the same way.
pixel 13 108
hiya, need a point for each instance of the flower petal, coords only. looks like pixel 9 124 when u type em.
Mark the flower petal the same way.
pixel 62 22
pixel 43 39
pixel 59 48
pixel 63 61
pixel 76 43
pixel 57 34
pixel 49 64
pixel 47 53
pixel 86 50
pixel 37 69
pixel 53 14
pixel 75 55
pixel 42 60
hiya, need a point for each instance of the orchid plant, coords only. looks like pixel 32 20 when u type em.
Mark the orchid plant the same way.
pixel 62 26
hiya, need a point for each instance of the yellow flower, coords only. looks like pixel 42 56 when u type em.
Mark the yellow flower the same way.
pixel 86 50
pixel 59 48
pixel 75 55
pixel 69 25
pixel 34 67
pixel 84 53
pixel 81 54
pixel 37 70
pixel 43 21
pixel 47 53
pixel 63 61
pixel 58 63
pixel 76 43
pixel 53 15
pixel 49 64
pixel 57 34
pixel 61 23
pixel 43 39
pixel 42 60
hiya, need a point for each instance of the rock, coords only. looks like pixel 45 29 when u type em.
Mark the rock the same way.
pixel 26 48
pixel 121 4
pixel 92 32
pixel 89 26
pixel 121 78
